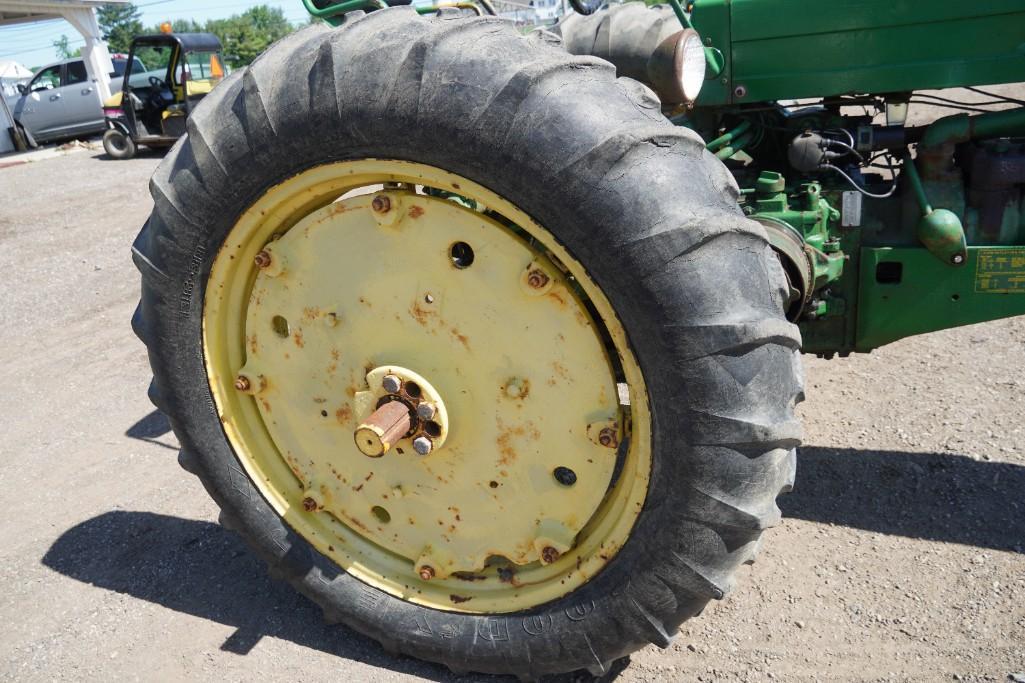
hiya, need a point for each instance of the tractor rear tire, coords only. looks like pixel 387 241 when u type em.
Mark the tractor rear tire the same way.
pixel 117 145
pixel 652 216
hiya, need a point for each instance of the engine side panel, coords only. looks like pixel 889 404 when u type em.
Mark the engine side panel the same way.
pixel 807 48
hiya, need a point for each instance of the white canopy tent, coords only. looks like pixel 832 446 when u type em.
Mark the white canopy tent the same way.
pixel 12 73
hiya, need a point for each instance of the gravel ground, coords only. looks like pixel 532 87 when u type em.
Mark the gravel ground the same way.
pixel 900 557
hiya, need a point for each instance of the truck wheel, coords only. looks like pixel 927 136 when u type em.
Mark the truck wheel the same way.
pixel 117 145
pixel 469 343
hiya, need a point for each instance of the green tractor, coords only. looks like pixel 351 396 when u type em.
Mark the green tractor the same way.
pixel 489 343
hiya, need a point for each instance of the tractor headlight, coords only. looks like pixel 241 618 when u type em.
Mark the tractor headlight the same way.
pixel 676 69
pixel 692 68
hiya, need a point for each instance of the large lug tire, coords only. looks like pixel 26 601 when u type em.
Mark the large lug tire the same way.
pixel 651 215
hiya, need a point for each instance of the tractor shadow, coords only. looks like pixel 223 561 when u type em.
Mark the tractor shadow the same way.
pixel 201 569
pixel 931 496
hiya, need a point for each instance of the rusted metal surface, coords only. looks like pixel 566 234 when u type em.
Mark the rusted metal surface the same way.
pixel 537 278
pixel 549 554
pixel 609 437
pixel 385 426
pixel 381 203
pixel 262 259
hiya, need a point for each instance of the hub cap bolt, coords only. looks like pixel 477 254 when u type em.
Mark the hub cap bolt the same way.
pixel 391 384
pixel 537 278
pixel 426 572
pixel 422 445
pixel 425 411
pixel 381 204
pixel 565 476
pixel 242 383
pixel 549 554
pixel 309 504
pixel 608 437
pixel 263 259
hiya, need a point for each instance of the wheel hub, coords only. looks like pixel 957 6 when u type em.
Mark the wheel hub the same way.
pixel 423 390
pixel 485 489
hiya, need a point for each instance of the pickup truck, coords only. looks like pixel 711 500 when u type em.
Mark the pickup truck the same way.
pixel 61 101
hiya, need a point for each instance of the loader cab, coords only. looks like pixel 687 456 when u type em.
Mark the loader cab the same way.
pixel 165 77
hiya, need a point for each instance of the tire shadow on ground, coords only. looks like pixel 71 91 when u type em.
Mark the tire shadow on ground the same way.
pixel 201 569
pixel 932 496
pixel 149 428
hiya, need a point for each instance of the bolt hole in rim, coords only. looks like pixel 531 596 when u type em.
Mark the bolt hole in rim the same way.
pixel 462 255
pixel 280 326
pixel 501 586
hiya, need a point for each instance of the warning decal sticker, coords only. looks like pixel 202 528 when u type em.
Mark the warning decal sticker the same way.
pixel 1000 271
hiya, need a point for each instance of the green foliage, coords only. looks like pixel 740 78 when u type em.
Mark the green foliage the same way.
pixel 63 51
pixel 246 35
pixel 243 36
pixel 119 25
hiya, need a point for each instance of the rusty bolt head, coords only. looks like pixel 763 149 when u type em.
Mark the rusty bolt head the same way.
pixel 537 278
pixel 426 411
pixel 381 204
pixel 391 384
pixel 309 504
pixel 422 445
pixel 549 554
pixel 242 383
pixel 426 572
pixel 608 437
pixel 263 259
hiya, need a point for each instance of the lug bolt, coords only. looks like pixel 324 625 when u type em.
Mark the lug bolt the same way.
pixel 957 259
pixel 608 437
pixel 537 278
pixel 309 504
pixel 242 383
pixel 565 476
pixel 422 445
pixel 391 384
pixel 426 572
pixel 426 411
pixel 549 554
pixel 263 259
pixel 381 204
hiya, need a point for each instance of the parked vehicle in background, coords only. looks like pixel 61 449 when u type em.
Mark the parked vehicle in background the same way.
pixel 170 74
pixel 60 101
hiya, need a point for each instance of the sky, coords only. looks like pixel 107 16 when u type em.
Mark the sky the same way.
pixel 32 44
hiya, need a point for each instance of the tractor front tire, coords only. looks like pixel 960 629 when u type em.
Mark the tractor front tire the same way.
pixel 648 215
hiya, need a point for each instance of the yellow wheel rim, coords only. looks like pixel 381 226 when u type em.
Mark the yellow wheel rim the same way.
pixel 540 432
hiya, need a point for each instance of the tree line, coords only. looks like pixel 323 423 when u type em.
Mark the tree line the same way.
pixel 243 36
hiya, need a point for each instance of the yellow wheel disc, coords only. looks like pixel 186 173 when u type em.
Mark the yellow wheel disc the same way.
pixel 427 386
